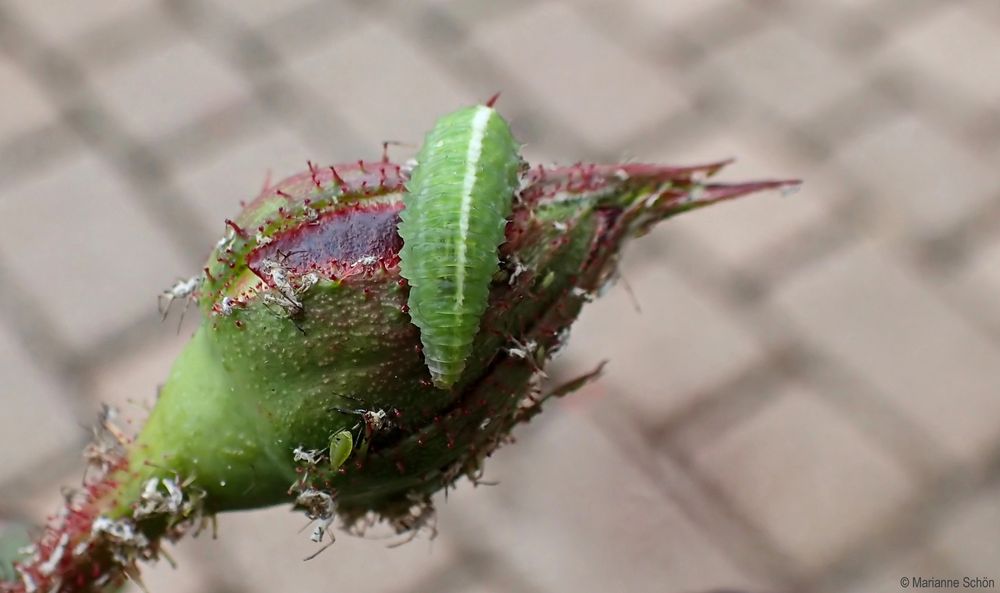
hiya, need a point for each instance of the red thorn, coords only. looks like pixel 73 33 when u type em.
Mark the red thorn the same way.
pixel 361 165
pixel 385 152
pixel 340 180
pixel 283 194
pixel 492 100
pixel 237 228
pixel 315 175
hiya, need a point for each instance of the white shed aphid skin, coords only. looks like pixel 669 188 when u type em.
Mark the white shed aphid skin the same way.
pixel 523 350
pixel 319 507
pixel 458 200
pixel 286 290
pixel 529 351
pixel 119 531
pixel 182 289
pixel 307 456
pixel 154 501
pixel 285 297
pixel 226 306
pixel 519 268
pixel 109 441
pixel 421 516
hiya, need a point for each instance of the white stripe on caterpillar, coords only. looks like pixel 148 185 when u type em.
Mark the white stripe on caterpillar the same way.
pixel 479 123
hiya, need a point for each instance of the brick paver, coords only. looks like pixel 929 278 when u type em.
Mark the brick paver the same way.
pixel 576 74
pixel 344 72
pixel 27 107
pixel 258 13
pixel 63 23
pixel 130 381
pixel 918 180
pixel 923 357
pixel 573 497
pixel 925 563
pixel 81 239
pixel 786 72
pixel 932 47
pixel 968 537
pixel 689 344
pixel 363 564
pixel 216 187
pixel 35 424
pixel 798 469
pixel 147 97
pixel 809 399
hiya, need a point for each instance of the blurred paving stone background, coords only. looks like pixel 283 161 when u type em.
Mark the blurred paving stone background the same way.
pixel 804 391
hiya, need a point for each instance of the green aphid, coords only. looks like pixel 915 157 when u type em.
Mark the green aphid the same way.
pixel 341 447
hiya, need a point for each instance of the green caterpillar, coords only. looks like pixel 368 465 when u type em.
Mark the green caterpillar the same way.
pixel 456 208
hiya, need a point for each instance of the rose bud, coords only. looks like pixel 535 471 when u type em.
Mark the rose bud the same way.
pixel 308 382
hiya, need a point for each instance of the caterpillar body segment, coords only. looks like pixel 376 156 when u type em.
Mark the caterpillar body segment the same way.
pixel 456 208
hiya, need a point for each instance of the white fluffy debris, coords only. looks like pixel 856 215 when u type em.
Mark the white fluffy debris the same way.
pixel 580 293
pixel 154 500
pixel 365 261
pixel 519 268
pixel 523 351
pixel 309 456
pixel 121 531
